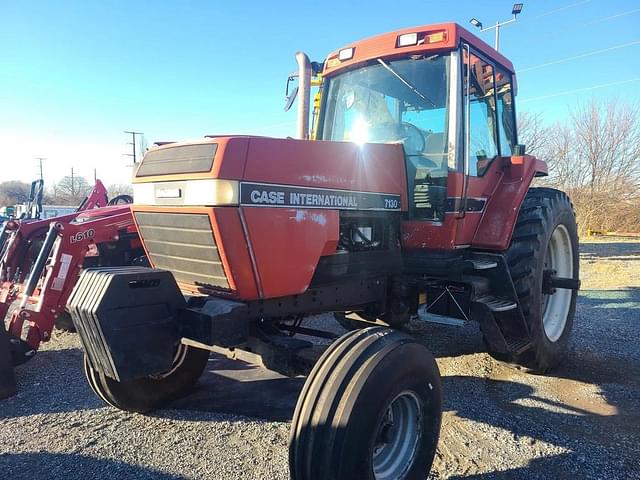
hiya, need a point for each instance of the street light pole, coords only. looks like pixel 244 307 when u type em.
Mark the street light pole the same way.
pixel 517 8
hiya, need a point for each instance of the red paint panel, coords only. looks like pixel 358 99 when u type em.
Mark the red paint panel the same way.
pixel 230 158
pixel 287 245
pixel 340 165
pixel 234 252
pixel 501 213
pixel 429 235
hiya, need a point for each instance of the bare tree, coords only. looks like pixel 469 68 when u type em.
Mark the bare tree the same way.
pixel 13 192
pixel 116 189
pixel 69 191
pixel 533 133
pixel 608 138
pixel 595 157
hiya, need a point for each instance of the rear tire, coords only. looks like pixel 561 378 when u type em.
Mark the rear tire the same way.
pixel 148 393
pixel 545 237
pixel 370 409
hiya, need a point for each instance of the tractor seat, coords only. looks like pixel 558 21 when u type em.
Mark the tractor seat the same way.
pixel 432 157
pixel 435 148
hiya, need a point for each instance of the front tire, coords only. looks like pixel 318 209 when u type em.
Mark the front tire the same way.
pixel 149 393
pixel 545 239
pixel 370 409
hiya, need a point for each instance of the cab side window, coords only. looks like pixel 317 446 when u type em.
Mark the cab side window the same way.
pixel 506 114
pixel 483 138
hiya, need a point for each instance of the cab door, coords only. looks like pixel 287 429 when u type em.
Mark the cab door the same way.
pixel 489 137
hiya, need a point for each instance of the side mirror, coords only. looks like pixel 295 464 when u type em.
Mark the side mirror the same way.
pixel 519 150
pixel 290 99
pixel 290 96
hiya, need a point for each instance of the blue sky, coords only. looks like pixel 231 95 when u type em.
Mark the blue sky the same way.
pixel 74 74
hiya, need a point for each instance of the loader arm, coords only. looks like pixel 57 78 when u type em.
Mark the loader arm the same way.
pixel 44 295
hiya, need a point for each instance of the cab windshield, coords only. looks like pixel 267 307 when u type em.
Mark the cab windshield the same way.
pixel 404 101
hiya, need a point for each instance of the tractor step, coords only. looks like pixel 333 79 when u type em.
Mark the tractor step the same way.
pixel 482 264
pixel 518 345
pixel 440 319
pixel 496 304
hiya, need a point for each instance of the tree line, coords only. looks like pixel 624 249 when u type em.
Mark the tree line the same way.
pixel 67 191
pixel 593 155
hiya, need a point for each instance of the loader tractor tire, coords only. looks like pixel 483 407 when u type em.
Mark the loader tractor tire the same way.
pixel 121 200
pixel 545 239
pixel 370 409
pixel 63 322
pixel 149 393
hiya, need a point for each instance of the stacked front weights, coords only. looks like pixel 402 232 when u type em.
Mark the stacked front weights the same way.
pixel 126 319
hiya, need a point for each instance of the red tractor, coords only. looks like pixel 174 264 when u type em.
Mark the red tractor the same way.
pixel 413 196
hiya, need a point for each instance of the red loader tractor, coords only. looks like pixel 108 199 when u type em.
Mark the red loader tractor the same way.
pixel 41 259
pixel 412 197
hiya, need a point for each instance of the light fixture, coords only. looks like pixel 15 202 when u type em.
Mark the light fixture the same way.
pixel 407 39
pixel 475 22
pixel 345 54
pixel 517 8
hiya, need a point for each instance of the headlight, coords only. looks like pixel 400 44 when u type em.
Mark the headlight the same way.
pixel 208 192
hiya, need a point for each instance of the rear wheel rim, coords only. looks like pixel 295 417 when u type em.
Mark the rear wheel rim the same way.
pixel 397 437
pixel 555 306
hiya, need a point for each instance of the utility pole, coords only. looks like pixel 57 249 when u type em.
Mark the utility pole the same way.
pixel 72 189
pixel 95 175
pixel 515 11
pixel 133 144
pixel 40 159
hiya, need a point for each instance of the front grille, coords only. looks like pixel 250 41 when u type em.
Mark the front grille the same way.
pixel 183 243
pixel 180 159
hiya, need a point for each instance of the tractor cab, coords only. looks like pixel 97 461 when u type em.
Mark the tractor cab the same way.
pixel 446 97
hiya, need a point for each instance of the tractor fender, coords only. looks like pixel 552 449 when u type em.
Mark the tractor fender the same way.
pixel 498 221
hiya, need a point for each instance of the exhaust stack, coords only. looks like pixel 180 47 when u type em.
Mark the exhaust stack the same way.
pixel 304 94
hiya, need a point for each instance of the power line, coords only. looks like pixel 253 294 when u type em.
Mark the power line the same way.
pixel 579 90
pixel 556 10
pixel 611 17
pixel 582 55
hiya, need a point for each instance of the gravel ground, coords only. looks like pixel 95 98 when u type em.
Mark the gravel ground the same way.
pixel 582 421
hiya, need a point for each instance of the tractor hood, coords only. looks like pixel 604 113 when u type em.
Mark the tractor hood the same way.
pixel 249 170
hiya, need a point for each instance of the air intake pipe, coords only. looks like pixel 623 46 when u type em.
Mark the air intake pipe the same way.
pixel 304 94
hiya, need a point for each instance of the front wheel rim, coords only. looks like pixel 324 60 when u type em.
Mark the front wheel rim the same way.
pixel 397 437
pixel 555 306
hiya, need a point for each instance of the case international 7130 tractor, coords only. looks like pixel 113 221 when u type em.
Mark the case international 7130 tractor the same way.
pixel 413 195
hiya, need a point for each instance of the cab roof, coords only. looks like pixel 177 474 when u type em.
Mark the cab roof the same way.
pixel 431 38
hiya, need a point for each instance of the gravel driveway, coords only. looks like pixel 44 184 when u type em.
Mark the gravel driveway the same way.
pixel 581 422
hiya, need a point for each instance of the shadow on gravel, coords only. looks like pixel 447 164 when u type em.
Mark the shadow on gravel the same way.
pixel 239 388
pixel 595 448
pixel 73 467
pixel 51 382
pixel 600 436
